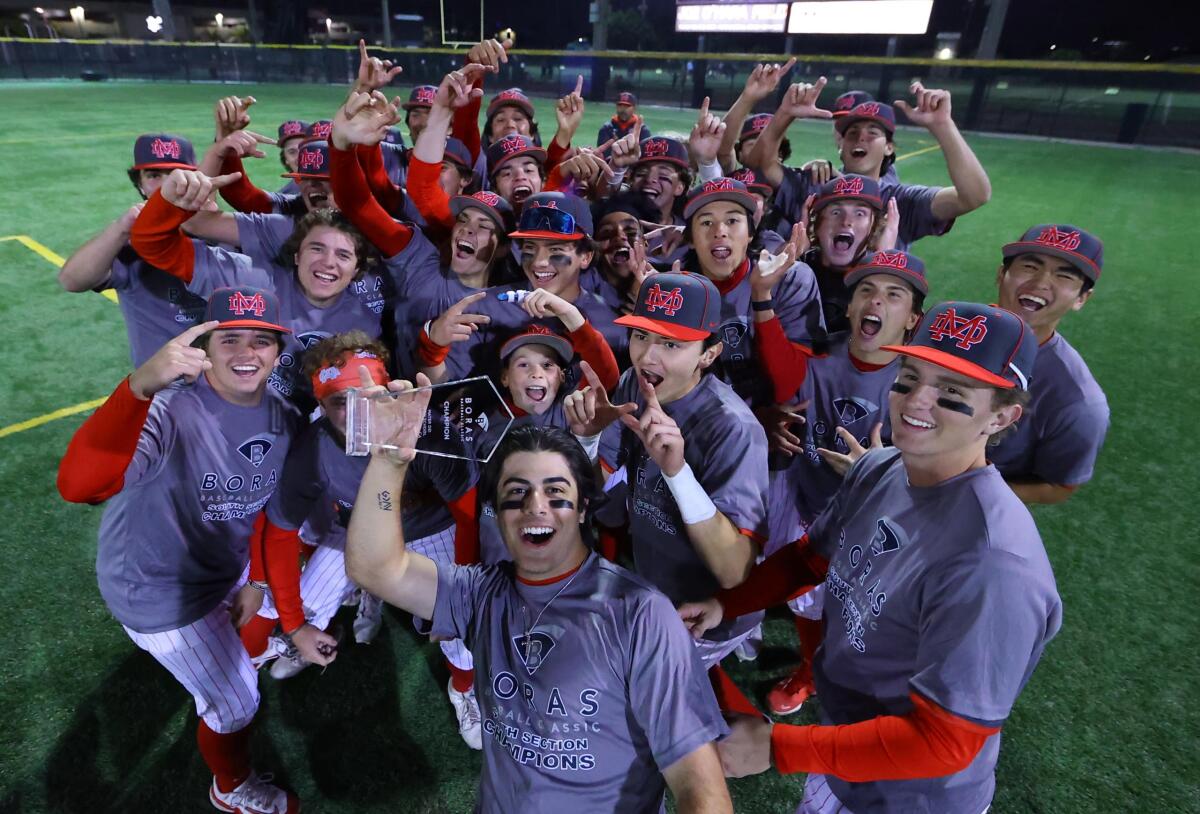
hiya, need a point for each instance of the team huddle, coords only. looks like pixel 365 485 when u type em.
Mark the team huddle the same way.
pixel 731 391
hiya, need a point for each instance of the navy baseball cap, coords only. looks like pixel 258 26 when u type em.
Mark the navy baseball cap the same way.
pixel 512 146
pixel 292 128
pixel 160 151
pixel 661 148
pixel 457 153
pixel 394 136
pixel 849 100
pixel 752 181
pixel 513 97
pixel 554 216
pixel 907 267
pixel 318 130
pixel 490 204
pixel 245 307
pixel 626 98
pixel 720 189
pixel 420 96
pixel 678 304
pixel 877 112
pixel 313 162
pixel 537 334
pixel 849 187
pixel 982 342
pixel 1081 249
pixel 754 125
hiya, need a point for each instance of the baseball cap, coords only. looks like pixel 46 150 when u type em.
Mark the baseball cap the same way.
pixel 877 112
pixel 753 183
pixel 554 216
pixel 458 153
pixel 719 189
pixel 420 96
pixel 343 373
pixel 754 125
pixel 313 162
pixel 849 187
pixel 244 307
pixel 661 148
pixel 160 151
pixel 512 146
pixel 907 267
pixel 1081 249
pixel 292 128
pixel 394 136
pixel 850 100
pixel 679 304
pixel 513 97
pixel 490 204
pixel 319 129
pixel 626 98
pixel 631 203
pixel 539 335
pixel 982 342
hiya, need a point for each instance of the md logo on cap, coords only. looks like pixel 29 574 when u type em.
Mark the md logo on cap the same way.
pixel 669 301
pixel 424 94
pixel 321 130
pixel 652 148
pixel 311 160
pixel 511 144
pixel 293 128
pixel 718 185
pixel 968 332
pixel 1053 236
pixel 848 186
pixel 896 260
pixel 867 109
pixel 239 304
pixel 487 197
pixel 165 148
pixel 507 95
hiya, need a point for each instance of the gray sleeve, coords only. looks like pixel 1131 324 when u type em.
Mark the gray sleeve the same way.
pixel 215 268
pixel 260 236
pixel 792 193
pixel 1066 454
pixel 798 305
pixel 916 213
pixel 156 441
pixel 120 276
pixel 669 693
pixel 416 266
pixel 984 621
pixel 457 602
pixel 734 474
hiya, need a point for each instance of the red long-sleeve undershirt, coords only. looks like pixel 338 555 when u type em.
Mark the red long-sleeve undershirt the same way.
pixel 785 362
pixel 789 571
pixel 432 201
pixel 593 348
pixel 281 560
pixel 242 195
pixel 389 196
pixel 465 124
pixel 465 511
pixel 350 190
pixel 93 468
pixel 158 240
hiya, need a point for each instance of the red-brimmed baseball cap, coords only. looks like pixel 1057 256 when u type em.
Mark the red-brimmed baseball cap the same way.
pixel 318 130
pixel 754 125
pixel 849 100
pixel 490 204
pixel 627 98
pixel 1081 249
pixel 312 162
pixel 511 147
pixel 719 189
pixel 877 112
pixel 554 216
pixel 245 307
pixel 292 128
pixel 849 187
pixel 661 148
pixel 537 334
pixel 420 96
pixel 982 342
pixel 908 267
pixel 753 182
pixel 161 151
pixel 678 304
pixel 513 97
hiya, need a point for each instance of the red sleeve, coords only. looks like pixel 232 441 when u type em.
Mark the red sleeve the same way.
pixel 390 197
pixel 927 742
pixel 594 349
pixel 93 468
pixel 555 182
pixel 465 125
pixel 258 568
pixel 464 509
pixel 430 353
pixel 785 362
pixel 555 154
pixel 355 200
pixel 775 580
pixel 242 195
pixel 158 240
pixel 281 560
pixel 426 192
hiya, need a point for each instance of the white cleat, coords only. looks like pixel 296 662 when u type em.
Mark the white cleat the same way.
pixel 288 665
pixel 470 721
pixel 276 647
pixel 257 795
pixel 369 618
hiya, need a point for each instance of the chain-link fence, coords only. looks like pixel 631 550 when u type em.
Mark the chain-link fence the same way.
pixel 1134 104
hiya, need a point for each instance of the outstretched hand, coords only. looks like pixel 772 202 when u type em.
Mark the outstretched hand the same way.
pixel 588 409
pixel 841 462
pixel 193 190
pixel 658 432
pixel 800 101
pixel 373 72
pixel 932 106
pixel 364 119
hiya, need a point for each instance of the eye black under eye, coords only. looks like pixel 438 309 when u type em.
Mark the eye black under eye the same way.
pixel 901 388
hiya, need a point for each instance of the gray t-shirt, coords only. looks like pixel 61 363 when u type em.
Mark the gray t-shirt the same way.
pixel 1060 435
pixel 156 305
pixel 175 539
pixel 605 694
pixel 726 448
pixel 945 591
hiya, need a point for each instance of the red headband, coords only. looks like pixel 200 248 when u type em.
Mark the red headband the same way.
pixel 343 374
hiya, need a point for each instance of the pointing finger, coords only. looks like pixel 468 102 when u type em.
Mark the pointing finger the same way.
pixel 579 85
pixel 191 334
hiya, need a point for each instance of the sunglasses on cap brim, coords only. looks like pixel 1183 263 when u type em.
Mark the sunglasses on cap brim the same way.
pixel 544 222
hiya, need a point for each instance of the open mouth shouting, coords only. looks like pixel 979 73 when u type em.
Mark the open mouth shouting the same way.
pixel 536 393
pixel 464 249
pixel 1031 303
pixel 858 152
pixel 520 192
pixel 621 255
pixel 652 378
pixel 721 251
pixel 536 535
pixel 316 200
pixel 870 325
pixel 843 241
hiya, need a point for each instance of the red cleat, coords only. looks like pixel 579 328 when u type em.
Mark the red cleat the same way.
pixel 790 694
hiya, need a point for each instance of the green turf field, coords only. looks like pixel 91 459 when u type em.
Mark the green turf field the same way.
pixel 1108 723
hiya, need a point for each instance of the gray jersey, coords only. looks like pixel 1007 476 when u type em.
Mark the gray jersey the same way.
pixel 586 704
pixel 412 274
pixel 175 539
pixel 945 591
pixel 726 448
pixel 1060 435
pixel 156 305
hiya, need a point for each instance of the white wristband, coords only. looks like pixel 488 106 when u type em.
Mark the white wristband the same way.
pixel 695 506
pixel 590 444
pixel 617 177
pixel 710 171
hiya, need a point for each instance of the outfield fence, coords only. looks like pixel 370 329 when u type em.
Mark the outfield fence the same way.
pixel 1131 103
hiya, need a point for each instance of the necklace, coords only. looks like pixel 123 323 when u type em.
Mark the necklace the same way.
pixel 527 639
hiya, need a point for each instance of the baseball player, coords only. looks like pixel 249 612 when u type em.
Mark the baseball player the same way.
pixel 742 128
pixel 591 694
pixel 155 304
pixel 289 136
pixel 1051 271
pixel 624 121
pixel 659 170
pixel 766 219
pixel 620 248
pixel 189 448
pixel 842 105
pixel 416 110
pixel 695 458
pixel 939 596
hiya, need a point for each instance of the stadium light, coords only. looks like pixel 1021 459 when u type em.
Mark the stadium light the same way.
pixel 220 18
pixel 77 14
pixel 154 24
pixel 945 53
pixel 39 9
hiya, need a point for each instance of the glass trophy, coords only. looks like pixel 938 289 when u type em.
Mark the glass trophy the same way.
pixel 463 419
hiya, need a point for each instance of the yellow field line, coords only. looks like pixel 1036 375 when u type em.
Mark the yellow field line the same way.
pixel 21 426
pixel 916 153
pixel 49 255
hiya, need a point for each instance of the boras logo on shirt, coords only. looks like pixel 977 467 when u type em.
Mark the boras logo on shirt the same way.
pixel 849 580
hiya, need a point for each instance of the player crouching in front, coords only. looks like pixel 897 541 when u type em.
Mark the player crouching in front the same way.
pixel 939 595
pixel 190 447
pixel 563 640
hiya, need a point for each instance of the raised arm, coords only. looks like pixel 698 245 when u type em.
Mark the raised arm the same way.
pixel 91 264
pixel 491 54
pixel 156 235
pixel 759 85
pixel 800 102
